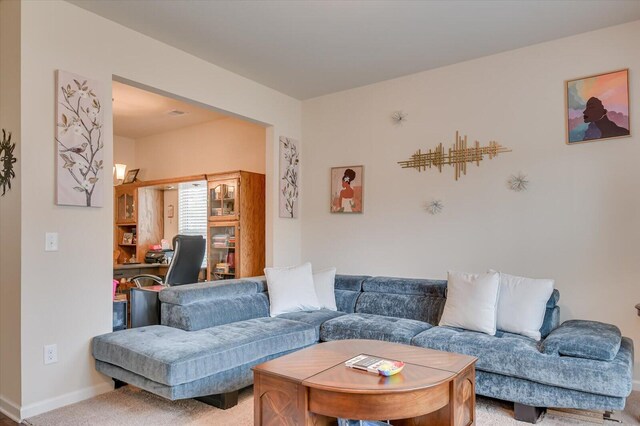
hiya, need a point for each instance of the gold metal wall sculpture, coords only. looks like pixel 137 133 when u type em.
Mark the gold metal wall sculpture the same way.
pixel 458 156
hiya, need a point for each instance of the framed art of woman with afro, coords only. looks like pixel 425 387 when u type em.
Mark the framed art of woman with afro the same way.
pixel 347 189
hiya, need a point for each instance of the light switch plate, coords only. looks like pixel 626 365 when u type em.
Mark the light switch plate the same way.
pixel 51 241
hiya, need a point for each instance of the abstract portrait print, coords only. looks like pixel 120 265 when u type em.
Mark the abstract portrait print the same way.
pixel 598 107
pixel 347 189
pixel 79 141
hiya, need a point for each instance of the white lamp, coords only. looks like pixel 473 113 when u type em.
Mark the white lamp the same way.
pixel 120 169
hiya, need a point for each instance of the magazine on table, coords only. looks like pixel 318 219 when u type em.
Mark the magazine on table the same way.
pixel 374 364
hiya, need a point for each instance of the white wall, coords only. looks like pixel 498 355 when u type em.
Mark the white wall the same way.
pixel 10 209
pixel 218 146
pixel 66 294
pixel 124 151
pixel 579 223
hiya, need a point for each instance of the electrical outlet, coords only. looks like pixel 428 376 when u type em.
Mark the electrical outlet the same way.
pixel 50 354
pixel 51 241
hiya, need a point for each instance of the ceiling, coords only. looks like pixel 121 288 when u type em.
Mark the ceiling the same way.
pixel 311 48
pixel 138 113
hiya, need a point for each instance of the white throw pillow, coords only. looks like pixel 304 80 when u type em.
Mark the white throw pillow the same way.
pixel 472 301
pixel 291 289
pixel 324 282
pixel 522 304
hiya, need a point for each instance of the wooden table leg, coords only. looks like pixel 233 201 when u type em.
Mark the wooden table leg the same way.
pixel 462 399
pixel 281 402
pixel 461 410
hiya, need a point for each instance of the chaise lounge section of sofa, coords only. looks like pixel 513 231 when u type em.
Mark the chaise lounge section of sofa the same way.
pixel 212 334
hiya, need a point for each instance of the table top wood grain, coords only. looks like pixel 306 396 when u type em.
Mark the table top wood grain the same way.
pixel 322 367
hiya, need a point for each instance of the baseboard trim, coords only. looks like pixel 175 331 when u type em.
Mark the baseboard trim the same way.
pixel 66 399
pixel 636 385
pixel 10 409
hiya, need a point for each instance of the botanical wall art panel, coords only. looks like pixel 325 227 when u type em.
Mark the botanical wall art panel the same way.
pixel 347 188
pixel 79 141
pixel 598 107
pixel 7 159
pixel 289 177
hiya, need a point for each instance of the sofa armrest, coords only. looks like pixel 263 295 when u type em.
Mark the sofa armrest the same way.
pixel 584 339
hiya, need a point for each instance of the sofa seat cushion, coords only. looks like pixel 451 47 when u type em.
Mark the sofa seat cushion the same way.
pixel 314 318
pixel 518 356
pixel 172 356
pixel 370 326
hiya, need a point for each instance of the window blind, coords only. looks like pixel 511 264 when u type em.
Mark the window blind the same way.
pixel 192 210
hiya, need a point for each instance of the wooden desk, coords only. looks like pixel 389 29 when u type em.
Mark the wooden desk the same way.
pixel 128 270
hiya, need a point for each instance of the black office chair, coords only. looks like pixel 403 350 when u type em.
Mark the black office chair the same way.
pixel 185 264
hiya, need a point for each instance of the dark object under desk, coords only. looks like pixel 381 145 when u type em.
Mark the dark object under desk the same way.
pixel 145 306
pixel 119 315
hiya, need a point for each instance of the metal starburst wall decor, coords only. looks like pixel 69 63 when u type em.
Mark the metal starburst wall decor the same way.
pixel 434 207
pixel 458 156
pixel 518 182
pixel 8 160
pixel 399 117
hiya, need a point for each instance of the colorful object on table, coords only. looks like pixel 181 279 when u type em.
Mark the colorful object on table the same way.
pixel 155 247
pixel 389 368
pixel 115 287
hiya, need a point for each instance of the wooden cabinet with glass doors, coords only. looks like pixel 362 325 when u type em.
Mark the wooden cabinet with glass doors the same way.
pixel 138 221
pixel 126 218
pixel 236 225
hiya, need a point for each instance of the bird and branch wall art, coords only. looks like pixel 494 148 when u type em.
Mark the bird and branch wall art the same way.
pixel 79 141
pixel 457 156
pixel 289 182
pixel 8 159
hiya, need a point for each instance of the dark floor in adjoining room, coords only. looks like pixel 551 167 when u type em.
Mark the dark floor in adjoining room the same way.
pixel 6 421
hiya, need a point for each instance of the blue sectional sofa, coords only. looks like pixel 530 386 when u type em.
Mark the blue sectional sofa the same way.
pixel 213 333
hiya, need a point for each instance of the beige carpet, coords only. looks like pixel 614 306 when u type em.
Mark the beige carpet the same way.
pixel 129 406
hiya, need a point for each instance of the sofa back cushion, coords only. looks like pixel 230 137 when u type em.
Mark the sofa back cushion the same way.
pixel 211 290
pixel 551 315
pixel 350 282
pixel 211 313
pixel 417 299
pixel 348 289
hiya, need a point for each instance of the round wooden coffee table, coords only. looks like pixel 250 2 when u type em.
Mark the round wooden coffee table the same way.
pixel 313 386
